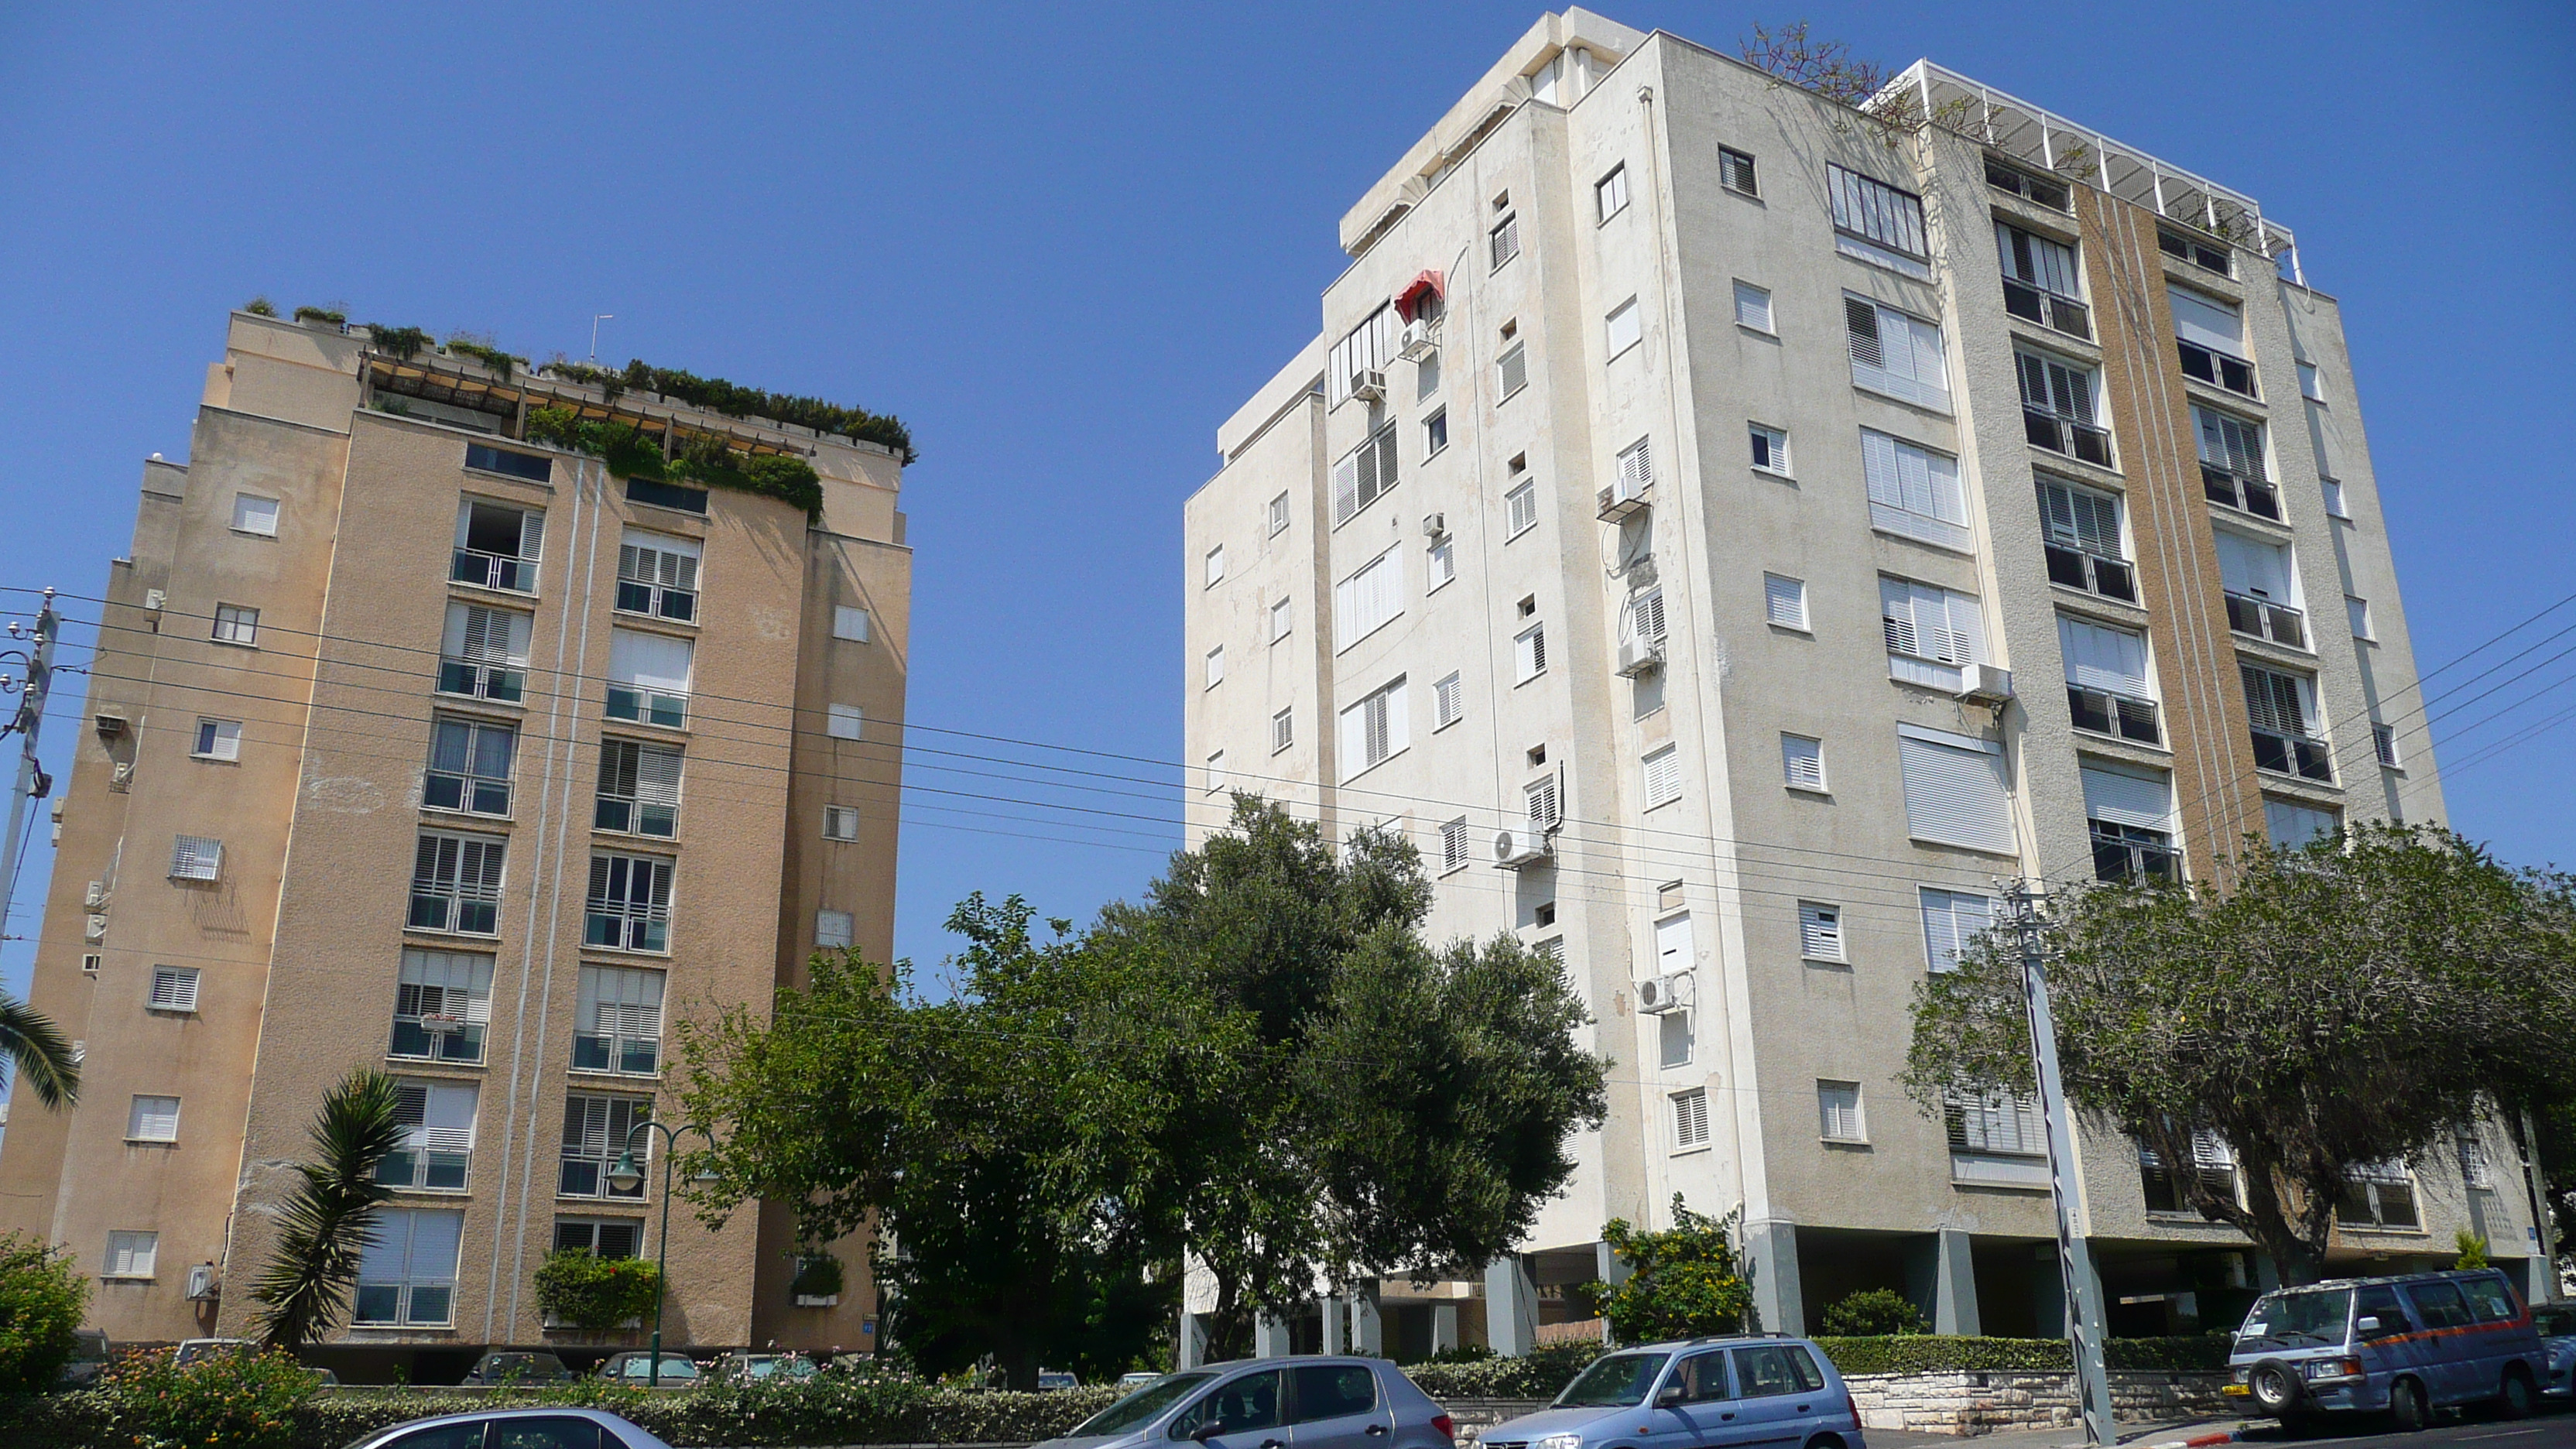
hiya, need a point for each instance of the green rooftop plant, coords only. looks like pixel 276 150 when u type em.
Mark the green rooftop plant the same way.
pixel 397 342
pixel 704 460
pixel 596 1293
pixel 332 315
pixel 503 364
pixel 260 307
pixel 736 401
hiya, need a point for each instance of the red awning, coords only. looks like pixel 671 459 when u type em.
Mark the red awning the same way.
pixel 1408 301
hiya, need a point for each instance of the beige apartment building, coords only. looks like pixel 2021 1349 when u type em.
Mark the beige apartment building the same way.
pixel 1731 536
pixel 416 745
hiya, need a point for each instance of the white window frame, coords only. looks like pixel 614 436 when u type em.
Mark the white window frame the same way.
pixel 639 691
pixel 150 1117
pixel 132 1255
pixel 844 722
pixel 1935 793
pixel 1453 845
pixel 427 1112
pixel 216 739
pixel 1283 729
pixel 620 1012
pixel 1690 1120
pixel 1930 651
pixel 1369 598
pixel 390 1261
pixel 1878 223
pixel 1378 718
pixel 1441 561
pixel 1820 933
pixel 650 799
pixel 196 857
pixel 851 623
pixel 835 930
pixel 1780 589
pixel 459 985
pixel 1899 355
pixel 1448 702
pixel 473 664
pixel 1215 772
pixel 1736 172
pixel 1622 328
pixel 1915 491
pixel 841 822
pixel 478 792
pixel 657 576
pixel 1369 347
pixel 1215 566
pixel 174 989
pixel 248 515
pixel 1511 371
pixel 513 572
pixel 1435 433
pixel 1662 772
pixel 1948 922
pixel 2311 385
pixel 1278 515
pixel 1764 442
pixel 1520 510
pixel 1529 654
pixel 1753 308
pixel 1282 619
pixel 597 1146
pixel 1803 768
pixel 2357 611
pixel 617 879
pixel 1841 1113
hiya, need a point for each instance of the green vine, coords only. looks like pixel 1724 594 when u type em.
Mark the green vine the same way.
pixel 708 461
pixel 501 363
pixel 736 401
pixel 401 343
pixel 595 1293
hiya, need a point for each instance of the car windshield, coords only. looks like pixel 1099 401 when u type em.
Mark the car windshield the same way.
pixel 2307 1317
pixel 1143 1406
pixel 1614 1382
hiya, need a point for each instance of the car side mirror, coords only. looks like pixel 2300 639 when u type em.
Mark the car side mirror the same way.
pixel 1204 1433
pixel 2368 1324
pixel 1671 1396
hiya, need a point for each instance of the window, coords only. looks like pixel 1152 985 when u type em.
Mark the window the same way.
pixel 1877 223
pixel 2261 589
pixel 1820 931
pixel 2383 739
pixel 1529 654
pixel 850 622
pixel 2231 463
pixel 1610 193
pixel 2309 386
pixel 1802 762
pixel 619 1028
pixel 834 930
pixel 1453 845
pixel 1443 564
pixel 1216 666
pixel 497 545
pixel 2041 281
pixel 254 514
pixel 1784 601
pixel 1279 515
pixel 666 495
pixel 1368 347
pixel 1520 511
pixel 2358 610
pixel 1505 240
pixel 1551 950
pixel 1448 702
pixel 235 624
pixel 2211 1161
pixel 130 1255
pixel 1364 473
pixel 2211 335
pixel 1753 307
pixel 1735 171
pixel 407 1273
pixel 2282 709
pixel 196 857
pixel 2109 688
pixel 1283 729
pixel 174 988
pixel 844 722
pixel 1951 920
pixel 1915 492
pixel 2382 1195
pixel 2057 409
pixel 2008 1123
pixel 1690 1119
pixel 1624 327
pixel 1542 811
pixel 600 1237
pixel 2335 507
pixel 2209 256
pixel 437 1148
pixel 2040 191
pixel 533 467
pixel 1216 566
pixel 639 788
pixel 1641 619
pixel 1373 729
pixel 657 574
pixel 1215 772
pixel 152 1119
pixel 484 653
pixel 2292 826
pixel 469 766
pixel 442 1006
pixel 1426 371
pixel 840 822
pixel 1770 448
pixel 1896 354
pixel 2080 531
pixel 1512 371
pixel 648 677
pixel 1663 776
pixel 1334 1391
pixel 217 739
pixel 629 905
pixel 456 884
pixel 2130 816
pixel 1955 791
pixel 1931 633
pixel 1370 599
pixel 1435 434
pixel 1838 1112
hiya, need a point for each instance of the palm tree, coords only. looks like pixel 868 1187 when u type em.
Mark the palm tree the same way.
pixel 44 1059
pixel 326 1227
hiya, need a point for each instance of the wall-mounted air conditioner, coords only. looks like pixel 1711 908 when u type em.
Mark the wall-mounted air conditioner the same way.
pixel 94 930
pixel 203 1285
pixel 1640 656
pixel 1619 499
pixel 1519 846
pixel 1660 994
pixel 1368 385
pixel 1436 524
pixel 1985 684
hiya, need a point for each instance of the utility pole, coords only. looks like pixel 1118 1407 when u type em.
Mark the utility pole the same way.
pixel 2074 1256
pixel 32 784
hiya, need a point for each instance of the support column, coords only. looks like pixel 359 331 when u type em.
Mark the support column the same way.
pixel 1269 1337
pixel 1777 1298
pixel 1336 1326
pixel 1368 1321
pixel 2048 1293
pixel 1444 1327
pixel 1954 1286
pixel 1511 1307
pixel 1193 1341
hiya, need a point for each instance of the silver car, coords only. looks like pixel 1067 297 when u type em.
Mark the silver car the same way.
pixel 1299 1403
pixel 515 1429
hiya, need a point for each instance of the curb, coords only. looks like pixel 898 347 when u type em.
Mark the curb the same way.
pixel 2197 1441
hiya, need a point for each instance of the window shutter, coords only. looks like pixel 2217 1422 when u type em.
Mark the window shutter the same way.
pixel 2206 322
pixel 1802 762
pixel 654 662
pixel 1346 487
pixel 1446 700
pixel 1690 1118
pixel 174 988
pixel 1515 370
pixel 1453 844
pixel 1820 931
pixel 2249 566
pixel 2139 799
pixel 2230 443
pixel 196 857
pixel 1647 615
pixel 1540 798
pixel 1878 468
pixel 1860 319
pixel 846 722
pixel 1752 307
pixel 657 776
pixel 1785 601
pixel 1663 776
pixel 2292 826
pixel 1636 465
pixel 1955 792
pixel 2113 660
pixel 1951 919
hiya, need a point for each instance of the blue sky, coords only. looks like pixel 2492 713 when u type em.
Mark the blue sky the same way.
pixel 1064 242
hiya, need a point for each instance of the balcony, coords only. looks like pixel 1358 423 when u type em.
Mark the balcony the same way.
pixel 639 596
pixel 2059 434
pixel 494 571
pixel 2130 852
pixel 644 706
pixel 2299 755
pixel 634 1056
pixel 2119 715
pixel 2063 314
pixel 2218 369
pixel 2262 619
pixel 422 1169
pixel 2246 493
pixel 476 679
pixel 2078 569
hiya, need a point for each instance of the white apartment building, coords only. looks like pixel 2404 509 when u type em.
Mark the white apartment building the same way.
pixel 1730 536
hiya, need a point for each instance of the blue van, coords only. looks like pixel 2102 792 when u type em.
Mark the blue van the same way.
pixel 1778 1393
pixel 2406 1345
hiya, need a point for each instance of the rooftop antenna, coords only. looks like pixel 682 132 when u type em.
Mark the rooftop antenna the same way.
pixel 594 334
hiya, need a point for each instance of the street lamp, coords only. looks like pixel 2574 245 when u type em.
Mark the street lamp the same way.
pixel 626 1176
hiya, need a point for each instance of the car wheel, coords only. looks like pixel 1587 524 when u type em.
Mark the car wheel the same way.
pixel 2515 1401
pixel 1826 1441
pixel 2276 1389
pixel 2406 1405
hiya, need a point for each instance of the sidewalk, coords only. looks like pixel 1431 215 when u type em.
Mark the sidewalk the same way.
pixel 2132 1435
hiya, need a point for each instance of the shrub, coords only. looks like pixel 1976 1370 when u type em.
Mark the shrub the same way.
pixel 241 1400
pixel 396 342
pixel 1928 1353
pixel 734 400
pixel 590 1292
pixel 332 315
pixel 503 364
pixel 41 1303
pixel 1681 1283
pixel 1872 1312
pixel 630 453
pixel 818 1276
pixel 1540 1374
pixel 260 307
pixel 2473 1249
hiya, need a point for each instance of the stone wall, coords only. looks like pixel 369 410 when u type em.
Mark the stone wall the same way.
pixel 1992 1401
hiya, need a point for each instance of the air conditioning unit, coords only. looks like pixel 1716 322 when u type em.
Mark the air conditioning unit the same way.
pixel 95 898
pixel 1419 341
pixel 1620 499
pixel 94 930
pixel 1660 995
pixel 1436 524
pixel 1640 656
pixel 203 1285
pixel 1368 385
pixel 110 724
pixel 153 599
pixel 1985 684
pixel 442 1025
pixel 1519 846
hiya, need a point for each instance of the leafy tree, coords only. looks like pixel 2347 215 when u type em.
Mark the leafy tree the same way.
pixel 42 1055
pixel 1682 1282
pixel 327 1225
pixel 42 1299
pixel 1874 1313
pixel 2360 999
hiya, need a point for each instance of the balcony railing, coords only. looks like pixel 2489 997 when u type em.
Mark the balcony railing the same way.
pixel 454 1041
pixel 628 815
pixel 480 680
pixel 2126 852
pixel 420 1167
pixel 2244 493
pixel 2048 309
pixel 647 706
pixel 2263 619
pixel 636 596
pixel 494 571
pixel 639 1056
pixel 2105 713
pixel 2078 569
pixel 2297 755
pixel 2066 435
pixel 474 794
pixel 2218 369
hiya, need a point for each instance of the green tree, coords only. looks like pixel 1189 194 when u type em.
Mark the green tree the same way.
pixel 40 1053
pixel 2360 999
pixel 42 1299
pixel 327 1225
pixel 1872 1313
pixel 1682 1282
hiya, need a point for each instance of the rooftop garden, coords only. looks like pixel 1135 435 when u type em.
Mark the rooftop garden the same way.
pixel 701 459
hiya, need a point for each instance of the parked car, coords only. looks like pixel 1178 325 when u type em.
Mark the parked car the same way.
pixel 193 1349
pixel 322 1378
pixel 518 1367
pixel 636 1366
pixel 515 1429
pixel 89 1358
pixel 1723 1390
pixel 1050 1380
pixel 750 1367
pixel 1334 1403
pixel 2556 1325
pixel 1128 1383
pixel 2406 1345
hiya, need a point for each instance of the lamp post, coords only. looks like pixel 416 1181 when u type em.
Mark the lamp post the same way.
pixel 626 1177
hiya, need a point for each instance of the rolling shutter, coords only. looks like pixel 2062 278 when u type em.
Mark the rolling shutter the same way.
pixel 2136 798
pixel 2206 322
pixel 1955 791
pixel 2113 660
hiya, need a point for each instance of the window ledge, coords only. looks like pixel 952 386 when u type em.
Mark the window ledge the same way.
pixel 471 471
pixel 1825 960
pixel 1782 474
pixel 151 1141
pixel 170 1010
pixel 689 624
pixel 127 1278
pixel 1968 550
pixel 2259 648
pixel 1762 332
pixel 1692 1151
pixel 1937 410
pixel 2045 458
pixel 2048 339
pixel 1379 765
pixel 1815 791
pixel 2321 791
pixel 1859 1142
pixel 2112 610
pixel 2092 739
pixel 525 596
pixel 232 644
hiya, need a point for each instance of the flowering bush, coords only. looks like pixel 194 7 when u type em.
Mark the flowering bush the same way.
pixel 236 1400
pixel 41 1302
pixel 574 1287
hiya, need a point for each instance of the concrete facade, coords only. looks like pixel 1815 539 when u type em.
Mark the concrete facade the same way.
pixel 1619 242
pixel 330 745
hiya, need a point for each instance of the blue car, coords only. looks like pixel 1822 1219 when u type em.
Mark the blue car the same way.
pixel 2404 1346
pixel 1778 1393
pixel 1307 1402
